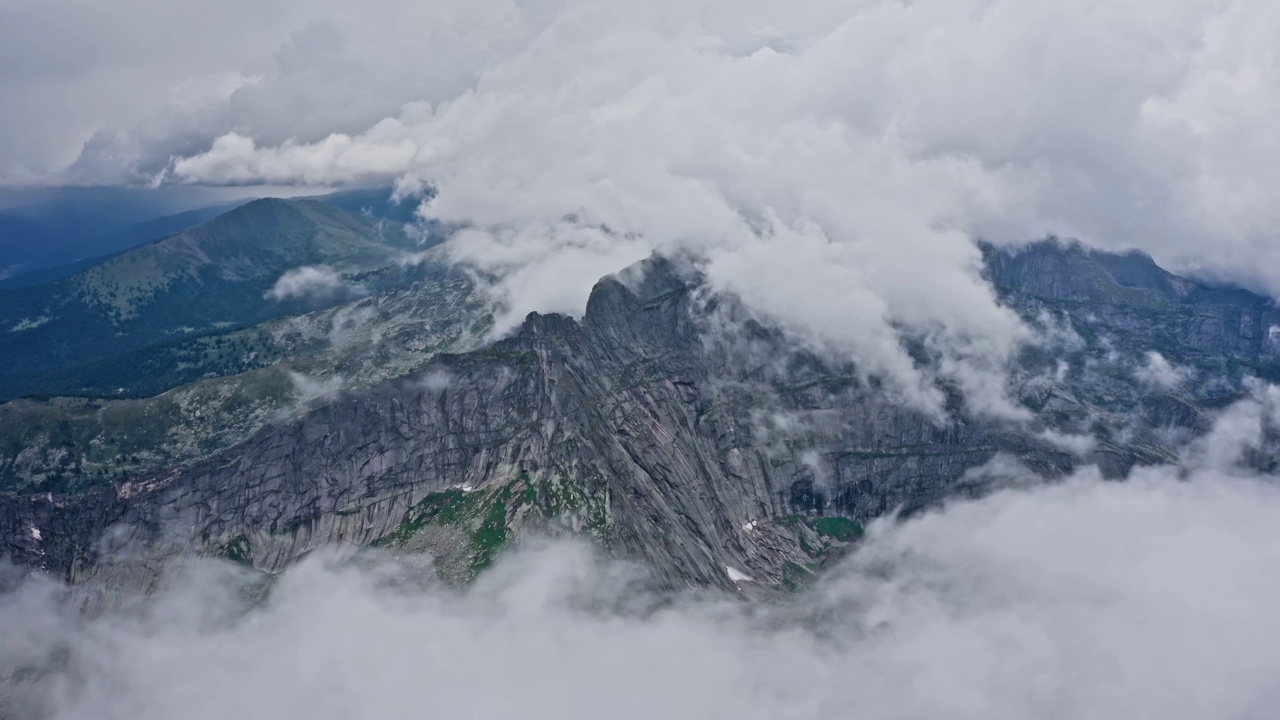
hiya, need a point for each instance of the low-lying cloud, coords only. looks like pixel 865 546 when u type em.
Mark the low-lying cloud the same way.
pixel 1153 597
pixel 309 281
pixel 1148 597
pixel 1157 372
pixel 316 388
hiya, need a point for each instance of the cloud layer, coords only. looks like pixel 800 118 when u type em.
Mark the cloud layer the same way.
pixel 1128 124
pixel 1151 598
pixel 830 163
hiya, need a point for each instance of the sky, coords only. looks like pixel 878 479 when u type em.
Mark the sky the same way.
pixel 832 162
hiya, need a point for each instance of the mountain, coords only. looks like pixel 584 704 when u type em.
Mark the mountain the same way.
pixel 97 247
pixel 650 426
pixel 214 276
pixel 50 234
pixel 1128 295
pixel 214 391
pixel 42 228
pixel 376 202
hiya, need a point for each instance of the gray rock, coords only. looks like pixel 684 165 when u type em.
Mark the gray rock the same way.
pixel 648 428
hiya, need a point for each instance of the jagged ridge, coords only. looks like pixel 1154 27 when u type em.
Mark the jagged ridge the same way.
pixel 662 436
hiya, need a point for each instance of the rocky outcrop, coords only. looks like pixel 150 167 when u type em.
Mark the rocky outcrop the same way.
pixel 647 427
pixel 1142 305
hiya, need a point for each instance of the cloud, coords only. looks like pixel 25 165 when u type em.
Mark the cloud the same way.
pixel 1160 373
pixel 436 380
pixel 1153 597
pixel 316 388
pixel 1062 140
pixel 1246 432
pixel 309 281
pixel 1084 598
pixel 831 164
pixel 352 324
pixel 1079 445
pixel 337 159
pixel 77 81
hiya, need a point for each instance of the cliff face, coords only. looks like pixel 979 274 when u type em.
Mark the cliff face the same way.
pixel 1144 306
pixel 712 455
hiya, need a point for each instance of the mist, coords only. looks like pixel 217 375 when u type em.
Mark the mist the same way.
pixel 830 163
pixel 1152 597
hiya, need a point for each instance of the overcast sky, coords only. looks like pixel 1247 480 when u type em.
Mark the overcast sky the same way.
pixel 819 157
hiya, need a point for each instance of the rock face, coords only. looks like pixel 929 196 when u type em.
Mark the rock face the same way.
pixel 1131 296
pixel 664 439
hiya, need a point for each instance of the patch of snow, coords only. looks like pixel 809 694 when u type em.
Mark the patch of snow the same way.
pixel 35 533
pixel 737 575
pixel 750 526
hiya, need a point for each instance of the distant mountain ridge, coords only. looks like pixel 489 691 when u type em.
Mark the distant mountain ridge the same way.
pixel 48 235
pixel 212 276
pixel 101 248
pixel 1142 304
pixel 44 228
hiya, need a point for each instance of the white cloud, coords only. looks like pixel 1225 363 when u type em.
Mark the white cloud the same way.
pixel 309 281
pixel 436 380
pixel 1079 445
pixel 382 153
pixel 1150 598
pixel 316 388
pixel 1158 372
pixel 354 324
pixel 1249 425
pixel 829 162
pixel 1088 598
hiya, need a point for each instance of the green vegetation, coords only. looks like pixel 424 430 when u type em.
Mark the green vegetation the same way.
pixel 840 528
pixel 489 538
pixel 449 507
pixel 835 538
pixel 832 526
pixel 115 324
pixel 796 577
pixel 239 550
pixel 73 444
pixel 483 516
pixel 69 444
pixel 563 502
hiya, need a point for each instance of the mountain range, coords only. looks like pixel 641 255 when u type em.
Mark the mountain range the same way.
pixel 668 424
pixel 217 275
